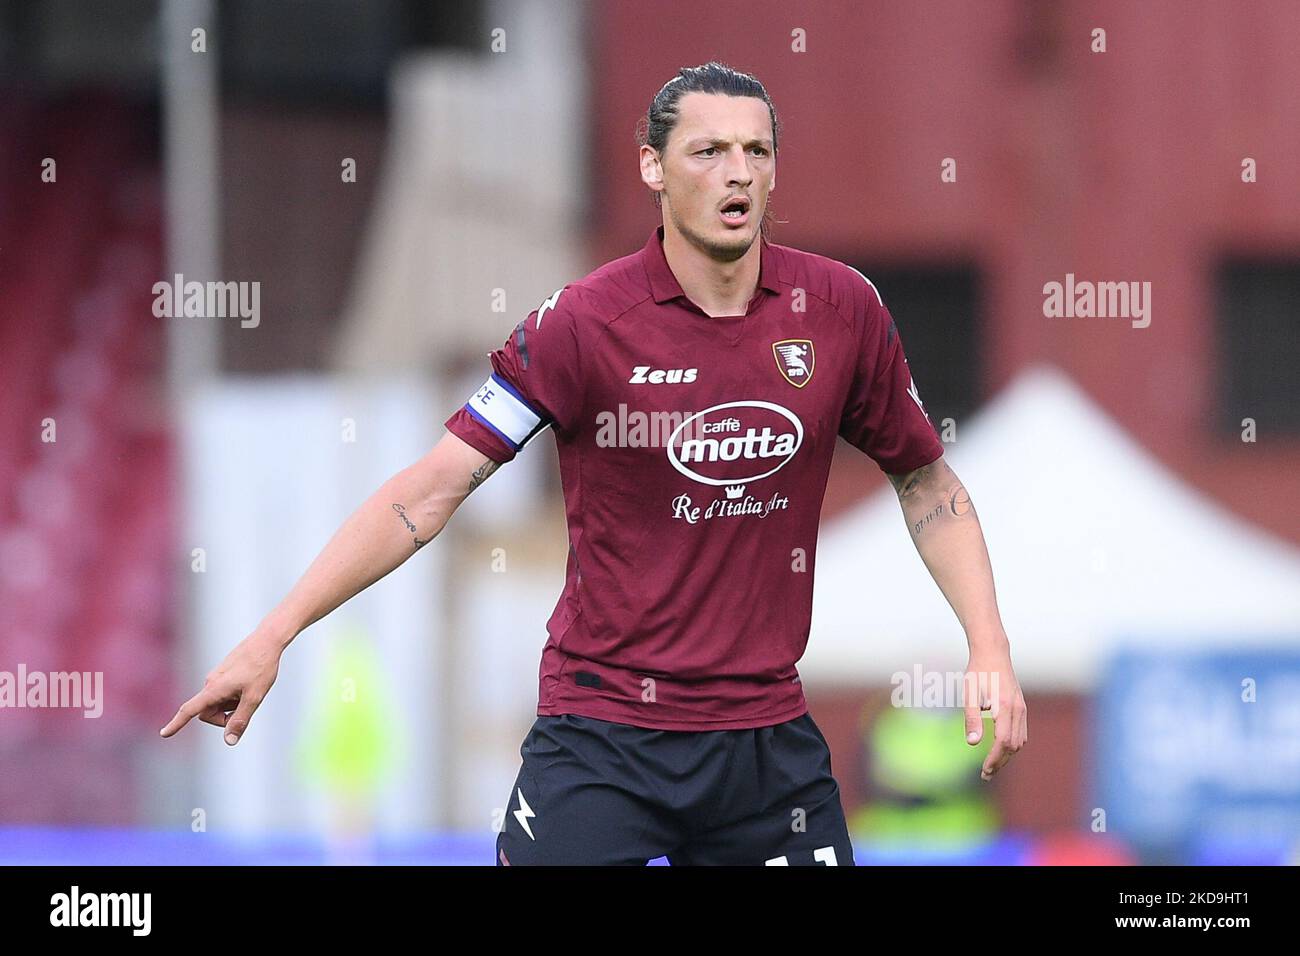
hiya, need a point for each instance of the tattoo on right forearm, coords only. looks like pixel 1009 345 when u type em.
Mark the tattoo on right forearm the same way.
pixel 481 474
pixel 410 526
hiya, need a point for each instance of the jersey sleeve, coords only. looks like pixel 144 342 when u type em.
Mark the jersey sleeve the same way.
pixel 883 415
pixel 535 382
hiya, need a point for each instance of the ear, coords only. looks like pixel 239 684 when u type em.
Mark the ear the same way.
pixel 652 173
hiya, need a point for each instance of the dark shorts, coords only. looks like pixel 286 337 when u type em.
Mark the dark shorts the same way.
pixel 600 793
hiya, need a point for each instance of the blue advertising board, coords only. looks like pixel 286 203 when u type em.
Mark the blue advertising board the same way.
pixel 1192 751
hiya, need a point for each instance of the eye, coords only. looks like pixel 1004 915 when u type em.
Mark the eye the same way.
pixel 760 150
pixel 707 150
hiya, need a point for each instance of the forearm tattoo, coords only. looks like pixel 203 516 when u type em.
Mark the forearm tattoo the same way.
pixel 410 526
pixel 907 485
pixel 918 526
pixel 955 499
pixel 481 474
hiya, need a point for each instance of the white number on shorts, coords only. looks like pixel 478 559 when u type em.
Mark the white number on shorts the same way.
pixel 824 854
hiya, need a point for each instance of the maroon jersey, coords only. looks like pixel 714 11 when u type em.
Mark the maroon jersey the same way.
pixel 693 457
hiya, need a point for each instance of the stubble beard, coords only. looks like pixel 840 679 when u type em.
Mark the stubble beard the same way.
pixel 720 251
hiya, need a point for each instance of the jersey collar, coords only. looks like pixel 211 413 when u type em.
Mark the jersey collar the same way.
pixel 664 285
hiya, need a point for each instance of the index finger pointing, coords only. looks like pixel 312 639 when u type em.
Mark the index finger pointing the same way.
pixel 187 712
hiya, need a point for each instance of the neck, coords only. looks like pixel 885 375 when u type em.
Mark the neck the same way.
pixel 719 288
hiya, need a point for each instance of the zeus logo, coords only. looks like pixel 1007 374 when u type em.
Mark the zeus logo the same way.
pixel 524 814
pixel 548 304
pixel 916 396
pixel 645 375
pixel 767 434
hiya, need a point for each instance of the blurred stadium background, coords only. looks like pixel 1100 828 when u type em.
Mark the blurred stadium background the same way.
pixel 405 180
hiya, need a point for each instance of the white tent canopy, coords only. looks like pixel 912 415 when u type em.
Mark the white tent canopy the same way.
pixel 1094 544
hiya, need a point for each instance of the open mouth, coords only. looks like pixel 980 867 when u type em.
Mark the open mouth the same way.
pixel 735 211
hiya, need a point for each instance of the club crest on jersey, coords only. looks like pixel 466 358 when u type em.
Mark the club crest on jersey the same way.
pixel 795 360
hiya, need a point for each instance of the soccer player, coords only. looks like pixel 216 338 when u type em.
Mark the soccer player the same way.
pixel 695 389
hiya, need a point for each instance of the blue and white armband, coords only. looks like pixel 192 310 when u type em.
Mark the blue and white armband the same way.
pixel 501 409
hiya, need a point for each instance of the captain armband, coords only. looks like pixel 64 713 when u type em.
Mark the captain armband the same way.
pixel 499 407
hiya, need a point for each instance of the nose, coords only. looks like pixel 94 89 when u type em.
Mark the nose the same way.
pixel 737 169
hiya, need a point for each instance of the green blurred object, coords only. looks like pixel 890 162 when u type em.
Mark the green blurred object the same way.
pixel 958 820
pixel 348 743
pixel 927 776
pixel 924 752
